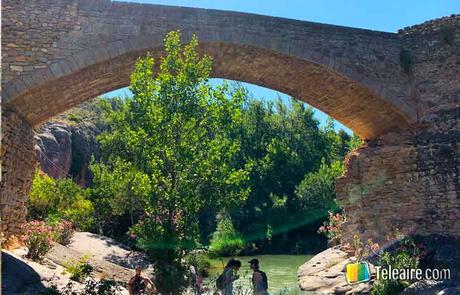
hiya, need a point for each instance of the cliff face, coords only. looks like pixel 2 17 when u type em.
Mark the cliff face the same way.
pixel 54 149
pixel 66 144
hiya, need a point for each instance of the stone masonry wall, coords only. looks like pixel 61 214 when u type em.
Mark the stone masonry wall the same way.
pixel 411 180
pixel 434 52
pixel 18 164
pixel 408 182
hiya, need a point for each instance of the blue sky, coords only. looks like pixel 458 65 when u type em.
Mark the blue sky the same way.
pixel 380 15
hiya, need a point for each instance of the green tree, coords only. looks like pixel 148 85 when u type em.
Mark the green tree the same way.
pixel 316 192
pixel 118 190
pixel 226 240
pixel 174 134
pixel 285 142
pixel 354 143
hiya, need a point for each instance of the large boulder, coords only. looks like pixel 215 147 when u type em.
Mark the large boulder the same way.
pixel 101 269
pixel 325 274
pixel 35 277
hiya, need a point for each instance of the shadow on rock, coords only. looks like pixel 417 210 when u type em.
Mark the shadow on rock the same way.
pixel 18 277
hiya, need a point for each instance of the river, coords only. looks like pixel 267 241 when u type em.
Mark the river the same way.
pixel 281 271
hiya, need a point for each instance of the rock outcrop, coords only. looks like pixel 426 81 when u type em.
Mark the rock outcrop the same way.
pixel 66 144
pixel 54 149
pixel 325 274
pixel 110 261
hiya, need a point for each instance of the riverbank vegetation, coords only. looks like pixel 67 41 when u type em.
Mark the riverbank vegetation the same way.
pixel 185 165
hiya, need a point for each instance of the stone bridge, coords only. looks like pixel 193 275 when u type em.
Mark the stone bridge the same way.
pixel 399 91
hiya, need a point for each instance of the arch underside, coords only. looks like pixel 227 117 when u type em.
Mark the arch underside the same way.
pixel 344 99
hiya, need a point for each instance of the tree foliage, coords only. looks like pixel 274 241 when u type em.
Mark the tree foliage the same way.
pixel 285 143
pixel 226 240
pixel 172 139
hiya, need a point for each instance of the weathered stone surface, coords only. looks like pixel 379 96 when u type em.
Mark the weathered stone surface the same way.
pixel 102 269
pixel 34 277
pixel 65 148
pixel 18 164
pixel 325 274
pixel 428 287
pixel 407 182
pixel 425 287
pixel 54 149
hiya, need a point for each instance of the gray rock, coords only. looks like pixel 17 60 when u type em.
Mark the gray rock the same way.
pixel 53 146
pixel 325 274
pixel 66 144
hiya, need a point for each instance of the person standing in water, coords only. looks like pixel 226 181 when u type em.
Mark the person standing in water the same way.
pixel 225 280
pixel 259 278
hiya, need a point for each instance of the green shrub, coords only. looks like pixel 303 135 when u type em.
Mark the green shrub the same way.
pixel 406 256
pixel 388 287
pixel 60 199
pixel 38 237
pixel 103 287
pixel 316 192
pixel 226 241
pixel 78 269
pixel 92 287
pixel 63 231
pixel 201 262
pixel 75 117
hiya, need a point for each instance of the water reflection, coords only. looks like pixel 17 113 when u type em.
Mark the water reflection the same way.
pixel 281 271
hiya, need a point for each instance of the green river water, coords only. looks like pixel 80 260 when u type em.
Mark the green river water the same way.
pixel 281 271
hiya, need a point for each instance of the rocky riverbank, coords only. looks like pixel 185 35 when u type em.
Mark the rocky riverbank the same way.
pixel 325 272
pixel 110 260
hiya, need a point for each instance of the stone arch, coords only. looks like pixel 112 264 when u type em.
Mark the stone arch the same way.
pixel 71 51
pixel 351 74
pixel 95 71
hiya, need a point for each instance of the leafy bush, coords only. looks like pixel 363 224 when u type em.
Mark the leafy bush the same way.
pixel 61 198
pixel 388 287
pixel 332 228
pixel 201 262
pixel 63 231
pixel 78 269
pixel 316 192
pixel 38 237
pixel 406 256
pixel 226 241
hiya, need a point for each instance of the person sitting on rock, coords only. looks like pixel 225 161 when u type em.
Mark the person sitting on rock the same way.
pixel 138 283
